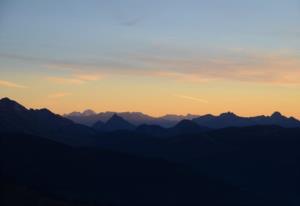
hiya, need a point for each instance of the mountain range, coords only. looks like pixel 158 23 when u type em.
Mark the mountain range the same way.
pixel 231 120
pixel 209 160
pixel 228 119
pixel 89 118
pixel 42 122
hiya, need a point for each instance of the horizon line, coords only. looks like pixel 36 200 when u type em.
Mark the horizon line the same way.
pixel 154 116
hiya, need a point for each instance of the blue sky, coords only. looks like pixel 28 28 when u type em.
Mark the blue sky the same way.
pixel 80 30
pixel 198 41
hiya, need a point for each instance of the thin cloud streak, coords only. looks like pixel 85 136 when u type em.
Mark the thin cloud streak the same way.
pixel 63 80
pixel 191 98
pixel 245 66
pixel 75 79
pixel 12 85
pixel 235 64
pixel 59 95
pixel 273 68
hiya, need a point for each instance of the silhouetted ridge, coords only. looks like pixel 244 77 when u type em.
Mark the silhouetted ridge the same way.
pixel 8 104
pixel 187 127
pixel 88 112
pixel 98 125
pixel 228 115
pixel 231 120
pixel 277 115
pixel 15 118
pixel 134 118
pixel 174 117
pixel 114 123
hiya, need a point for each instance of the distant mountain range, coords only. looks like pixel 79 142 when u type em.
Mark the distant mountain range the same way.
pixel 231 120
pixel 42 122
pixel 17 118
pixel 228 119
pixel 89 118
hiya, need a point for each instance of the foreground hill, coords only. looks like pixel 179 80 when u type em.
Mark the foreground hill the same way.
pixel 42 122
pixel 106 178
pixel 261 159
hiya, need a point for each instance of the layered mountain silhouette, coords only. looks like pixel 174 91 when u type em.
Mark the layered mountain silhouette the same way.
pixel 16 118
pixel 113 124
pixel 228 119
pixel 209 160
pixel 231 120
pixel 177 118
pixel 188 127
pixel 135 118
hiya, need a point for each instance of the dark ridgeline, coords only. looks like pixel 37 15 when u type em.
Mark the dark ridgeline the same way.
pixel 42 122
pixel 50 160
pixel 231 120
pixel 135 118
pixel 228 119
pixel 113 124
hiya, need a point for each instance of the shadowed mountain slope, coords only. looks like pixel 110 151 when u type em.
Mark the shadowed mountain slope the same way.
pixel 135 118
pixel 14 118
pixel 231 120
pixel 113 124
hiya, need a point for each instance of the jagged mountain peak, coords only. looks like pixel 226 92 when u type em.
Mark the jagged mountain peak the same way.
pixel 116 122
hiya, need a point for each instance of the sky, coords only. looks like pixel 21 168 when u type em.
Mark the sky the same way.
pixel 156 57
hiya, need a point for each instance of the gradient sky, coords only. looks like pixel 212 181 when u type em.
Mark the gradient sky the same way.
pixel 157 57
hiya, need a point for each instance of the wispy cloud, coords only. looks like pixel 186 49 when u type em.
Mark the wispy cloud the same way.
pixel 75 79
pixel 11 84
pixel 273 68
pixel 237 64
pixel 87 77
pixel 58 95
pixel 191 98
pixel 233 64
pixel 63 80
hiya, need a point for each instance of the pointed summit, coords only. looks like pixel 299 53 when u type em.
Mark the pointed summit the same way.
pixel 117 123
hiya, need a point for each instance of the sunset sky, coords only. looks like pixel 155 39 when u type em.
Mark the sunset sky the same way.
pixel 154 56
